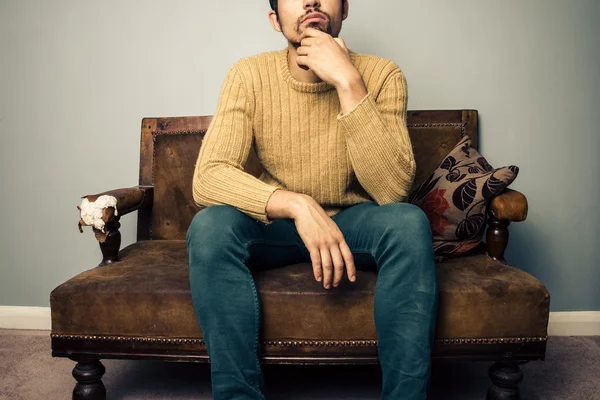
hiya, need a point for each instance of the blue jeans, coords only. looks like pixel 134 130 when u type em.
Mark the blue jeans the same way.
pixel 224 243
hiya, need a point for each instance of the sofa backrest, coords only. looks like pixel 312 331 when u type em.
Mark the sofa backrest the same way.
pixel 170 146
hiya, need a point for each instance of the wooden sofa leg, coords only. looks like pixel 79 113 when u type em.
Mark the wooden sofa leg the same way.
pixel 89 386
pixel 506 376
pixel 497 238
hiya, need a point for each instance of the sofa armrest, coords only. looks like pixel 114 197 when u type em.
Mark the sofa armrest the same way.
pixel 128 199
pixel 509 205
pixel 104 217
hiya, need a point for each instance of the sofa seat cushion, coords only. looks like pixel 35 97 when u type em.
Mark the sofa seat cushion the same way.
pixel 147 294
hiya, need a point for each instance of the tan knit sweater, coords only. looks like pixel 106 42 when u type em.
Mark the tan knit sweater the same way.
pixel 302 141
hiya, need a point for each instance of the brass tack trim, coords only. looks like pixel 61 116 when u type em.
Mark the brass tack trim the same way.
pixel 181 132
pixel 437 125
pixel 462 126
pixel 296 343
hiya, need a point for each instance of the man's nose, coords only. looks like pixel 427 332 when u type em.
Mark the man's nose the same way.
pixel 308 4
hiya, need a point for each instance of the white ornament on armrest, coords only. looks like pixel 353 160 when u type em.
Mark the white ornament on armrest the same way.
pixel 91 212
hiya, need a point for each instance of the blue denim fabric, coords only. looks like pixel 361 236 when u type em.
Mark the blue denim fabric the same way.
pixel 225 244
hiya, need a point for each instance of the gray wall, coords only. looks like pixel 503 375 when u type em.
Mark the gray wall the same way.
pixel 77 77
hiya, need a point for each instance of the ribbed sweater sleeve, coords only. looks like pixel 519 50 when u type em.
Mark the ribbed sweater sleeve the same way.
pixel 219 176
pixel 378 142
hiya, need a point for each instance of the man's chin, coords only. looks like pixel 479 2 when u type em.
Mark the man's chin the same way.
pixel 322 26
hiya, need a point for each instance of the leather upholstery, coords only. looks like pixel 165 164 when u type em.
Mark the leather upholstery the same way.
pixel 175 154
pixel 147 293
pixel 174 161
pixel 510 206
pixel 431 145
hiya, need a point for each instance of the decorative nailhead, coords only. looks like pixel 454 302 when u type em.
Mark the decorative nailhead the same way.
pixel 441 125
pixel 457 125
pixel 295 343
pixel 192 132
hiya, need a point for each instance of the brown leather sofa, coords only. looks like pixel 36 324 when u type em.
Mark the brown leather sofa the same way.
pixel 137 305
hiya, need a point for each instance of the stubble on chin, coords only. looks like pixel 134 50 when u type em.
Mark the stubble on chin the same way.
pixel 323 26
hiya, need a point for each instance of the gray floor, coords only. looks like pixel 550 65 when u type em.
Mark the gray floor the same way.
pixel 28 372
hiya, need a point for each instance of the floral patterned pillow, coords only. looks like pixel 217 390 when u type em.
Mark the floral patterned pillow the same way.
pixel 455 198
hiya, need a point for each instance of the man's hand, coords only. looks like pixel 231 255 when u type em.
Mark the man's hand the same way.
pixel 328 249
pixel 327 57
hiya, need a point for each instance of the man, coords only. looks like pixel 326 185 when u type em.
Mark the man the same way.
pixel 329 128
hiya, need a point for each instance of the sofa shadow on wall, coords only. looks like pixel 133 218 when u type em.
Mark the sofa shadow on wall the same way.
pixel 528 251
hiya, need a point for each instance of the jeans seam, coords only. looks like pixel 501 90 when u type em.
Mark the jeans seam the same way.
pixel 257 329
pixel 256 319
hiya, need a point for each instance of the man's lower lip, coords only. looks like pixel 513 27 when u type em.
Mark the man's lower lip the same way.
pixel 312 20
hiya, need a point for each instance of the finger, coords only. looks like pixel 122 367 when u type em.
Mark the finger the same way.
pixel 312 32
pixel 327 267
pixel 348 261
pixel 338 265
pixel 302 60
pixel 302 50
pixel 315 258
pixel 307 42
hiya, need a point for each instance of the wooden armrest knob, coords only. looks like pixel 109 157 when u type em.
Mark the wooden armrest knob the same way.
pixel 510 205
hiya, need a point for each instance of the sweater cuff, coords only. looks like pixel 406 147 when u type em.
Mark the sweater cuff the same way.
pixel 257 206
pixel 264 217
pixel 361 116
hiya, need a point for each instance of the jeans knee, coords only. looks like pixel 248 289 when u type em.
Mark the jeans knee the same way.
pixel 406 220
pixel 416 221
pixel 407 230
pixel 213 221
pixel 214 228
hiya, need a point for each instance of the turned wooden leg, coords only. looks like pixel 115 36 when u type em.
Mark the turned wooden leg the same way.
pixel 112 244
pixel 506 376
pixel 89 384
pixel 497 238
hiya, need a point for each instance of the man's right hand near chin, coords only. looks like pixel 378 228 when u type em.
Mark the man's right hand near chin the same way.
pixel 328 249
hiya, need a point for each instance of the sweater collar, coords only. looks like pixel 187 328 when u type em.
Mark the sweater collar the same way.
pixel 284 70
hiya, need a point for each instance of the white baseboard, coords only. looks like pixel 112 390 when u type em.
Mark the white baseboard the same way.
pixel 574 323
pixel 25 318
pixel 570 323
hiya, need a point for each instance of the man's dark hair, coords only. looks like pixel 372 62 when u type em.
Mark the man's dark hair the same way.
pixel 273 5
